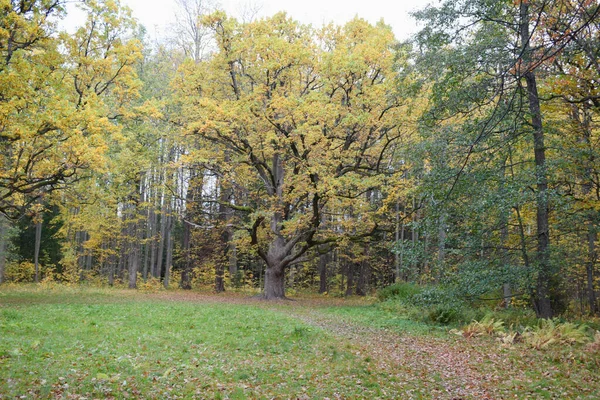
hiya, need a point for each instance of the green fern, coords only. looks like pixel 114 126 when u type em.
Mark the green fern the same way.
pixel 487 326
pixel 551 331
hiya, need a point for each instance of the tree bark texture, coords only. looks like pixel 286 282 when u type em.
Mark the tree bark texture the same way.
pixel 36 251
pixel 543 304
pixel 3 246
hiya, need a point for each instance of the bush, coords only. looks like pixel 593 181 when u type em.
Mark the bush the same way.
pixel 398 291
pixel 151 285
pixel 20 272
pixel 437 296
pixel 517 317
pixel 445 314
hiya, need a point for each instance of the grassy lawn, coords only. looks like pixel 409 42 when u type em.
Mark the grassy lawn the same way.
pixel 99 343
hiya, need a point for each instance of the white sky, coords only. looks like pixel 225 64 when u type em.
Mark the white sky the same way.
pixel 156 15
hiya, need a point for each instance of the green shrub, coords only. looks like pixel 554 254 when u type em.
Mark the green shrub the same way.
pixel 398 291
pixel 437 296
pixel 518 317
pixel 445 314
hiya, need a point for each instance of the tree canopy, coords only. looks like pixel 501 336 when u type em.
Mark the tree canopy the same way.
pixel 273 154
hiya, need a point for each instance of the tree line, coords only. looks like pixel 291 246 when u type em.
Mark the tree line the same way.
pixel 270 153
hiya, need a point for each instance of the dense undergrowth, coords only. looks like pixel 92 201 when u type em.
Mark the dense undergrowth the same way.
pixel 434 305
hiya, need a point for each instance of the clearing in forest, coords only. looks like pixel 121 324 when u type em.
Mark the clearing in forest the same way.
pixel 92 343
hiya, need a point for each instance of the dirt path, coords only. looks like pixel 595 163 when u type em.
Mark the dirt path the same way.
pixel 446 368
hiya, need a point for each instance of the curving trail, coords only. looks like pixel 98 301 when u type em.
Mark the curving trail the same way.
pixel 424 366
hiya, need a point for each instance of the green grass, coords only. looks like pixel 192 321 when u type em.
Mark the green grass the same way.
pixel 376 317
pixel 102 345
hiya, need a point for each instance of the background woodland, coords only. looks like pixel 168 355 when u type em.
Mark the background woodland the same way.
pixel 268 154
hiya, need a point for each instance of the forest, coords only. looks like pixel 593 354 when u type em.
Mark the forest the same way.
pixel 269 154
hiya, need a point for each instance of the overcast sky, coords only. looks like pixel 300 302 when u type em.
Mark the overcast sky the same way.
pixel 156 15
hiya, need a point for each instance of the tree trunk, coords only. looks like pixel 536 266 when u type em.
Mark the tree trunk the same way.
pixel 225 214
pixel 132 247
pixel 363 276
pixel 506 290
pixel 3 246
pixel 152 245
pixel 233 268
pixel 133 266
pixel 350 268
pixel 161 244
pixel 147 246
pixel 169 257
pixel 403 270
pixel 111 262
pixel 274 258
pixel 274 283
pixel 36 251
pixel 504 217
pixel 186 273
pixel 542 300
pixel 397 241
pixel 584 120
pixel 441 246
pixel 323 260
pixel 592 255
pixel 220 266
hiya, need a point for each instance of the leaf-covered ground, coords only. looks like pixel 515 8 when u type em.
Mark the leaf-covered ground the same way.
pixel 87 343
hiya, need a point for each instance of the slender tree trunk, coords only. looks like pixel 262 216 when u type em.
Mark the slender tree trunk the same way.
pixel 233 267
pixel 397 241
pixel 323 260
pixel 584 120
pixel 132 246
pixel 153 243
pixel 543 303
pixel 504 216
pixel 186 273
pixel 169 257
pixel 133 266
pixel 36 250
pixel 3 246
pixel 415 240
pixel 350 268
pixel 225 214
pixel 363 273
pixel 88 257
pixel 220 266
pixel 592 256
pixel 441 256
pixel 145 259
pixel 506 290
pixel 111 262
pixel 161 243
pixel 404 273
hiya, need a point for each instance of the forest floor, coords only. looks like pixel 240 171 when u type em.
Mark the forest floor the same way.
pixel 98 343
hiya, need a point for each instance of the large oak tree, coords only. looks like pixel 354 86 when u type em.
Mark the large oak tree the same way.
pixel 305 120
